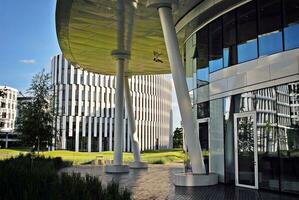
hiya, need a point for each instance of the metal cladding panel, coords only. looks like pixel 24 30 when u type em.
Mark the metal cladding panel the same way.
pixel 263 72
pixel 86 32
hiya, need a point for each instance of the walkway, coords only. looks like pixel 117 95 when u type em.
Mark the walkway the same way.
pixel 155 183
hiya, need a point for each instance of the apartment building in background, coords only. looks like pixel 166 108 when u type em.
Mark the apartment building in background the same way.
pixel 8 110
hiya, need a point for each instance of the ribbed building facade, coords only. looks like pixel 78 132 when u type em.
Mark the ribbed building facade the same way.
pixel 85 109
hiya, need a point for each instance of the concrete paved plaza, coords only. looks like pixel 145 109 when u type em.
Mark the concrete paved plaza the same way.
pixel 156 183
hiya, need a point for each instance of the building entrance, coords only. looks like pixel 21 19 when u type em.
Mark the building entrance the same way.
pixel 246 166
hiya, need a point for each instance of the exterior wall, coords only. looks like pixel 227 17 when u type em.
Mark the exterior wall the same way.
pixel 262 79
pixel 84 103
pixel 8 108
pixel 260 73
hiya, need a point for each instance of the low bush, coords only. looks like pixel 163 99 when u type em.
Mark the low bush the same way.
pixel 33 177
pixel 158 161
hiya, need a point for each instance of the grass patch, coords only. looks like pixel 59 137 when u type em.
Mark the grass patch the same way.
pixel 81 158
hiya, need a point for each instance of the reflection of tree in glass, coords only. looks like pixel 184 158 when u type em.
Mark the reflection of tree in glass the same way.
pixel 270 136
pixel 245 135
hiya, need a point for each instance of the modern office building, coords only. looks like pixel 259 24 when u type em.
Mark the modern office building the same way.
pixel 85 104
pixel 8 109
pixel 241 67
pixel 241 61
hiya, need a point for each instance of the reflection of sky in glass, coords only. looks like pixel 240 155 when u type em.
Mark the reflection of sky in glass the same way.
pixel 225 57
pixel 190 83
pixel 247 51
pixel 203 74
pixel 227 104
pixel 270 43
pixel 291 35
pixel 215 64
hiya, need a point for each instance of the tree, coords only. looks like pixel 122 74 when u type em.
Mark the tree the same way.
pixel 178 138
pixel 36 118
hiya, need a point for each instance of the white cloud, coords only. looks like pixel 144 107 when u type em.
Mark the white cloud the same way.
pixel 28 61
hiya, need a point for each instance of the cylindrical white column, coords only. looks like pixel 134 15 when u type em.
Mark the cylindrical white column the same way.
pixel 131 122
pixel 181 89
pixel 6 141
pixel 119 105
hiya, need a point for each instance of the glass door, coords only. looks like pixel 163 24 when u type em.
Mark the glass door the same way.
pixel 246 166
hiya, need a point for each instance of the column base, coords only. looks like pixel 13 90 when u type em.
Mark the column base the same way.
pixel 138 165
pixel 116 169
pixel 192 180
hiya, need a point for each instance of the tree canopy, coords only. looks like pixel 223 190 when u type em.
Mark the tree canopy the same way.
pixel 178 138
pixel 36 118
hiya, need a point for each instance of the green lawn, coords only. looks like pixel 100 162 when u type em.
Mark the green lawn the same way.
pixel 163 156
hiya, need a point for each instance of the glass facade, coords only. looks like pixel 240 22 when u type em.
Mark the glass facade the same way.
pixel 247 31
pixel 277 130
pixel 258 28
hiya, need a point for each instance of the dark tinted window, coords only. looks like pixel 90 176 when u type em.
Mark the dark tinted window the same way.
pixel 201 55
pixel 203 110
pixel 229 39
pixel 270 35
pixel 215 45
pixel 247 32
pixel 291 23
pixel 201 52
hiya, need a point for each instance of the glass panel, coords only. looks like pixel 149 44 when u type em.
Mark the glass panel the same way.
pixel 215 45
pixel 202 48
pixel 247 32
pixel 203 130
pixel 229 140
pixel 203 110
pixel 190 63
pixel 270 35
pixel 201 55
pixel 288 127
pixel 277 110
pixel 291 24
pixel 245 145
pixel 229 39
pixel 267 140
pixel 202 76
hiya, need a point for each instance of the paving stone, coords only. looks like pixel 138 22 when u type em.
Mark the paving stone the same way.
pixel 155 183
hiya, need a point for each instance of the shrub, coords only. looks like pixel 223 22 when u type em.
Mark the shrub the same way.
pixel 159 161
pixel 33 177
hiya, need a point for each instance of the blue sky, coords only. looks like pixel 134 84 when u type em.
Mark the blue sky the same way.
pixel 27 40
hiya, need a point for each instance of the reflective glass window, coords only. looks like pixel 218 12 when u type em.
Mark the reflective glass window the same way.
pixel 277 131
pixel 201 56
pixel 247 32
pixel 203 110
pixel 215 45
pixel 288 134
pixel 229 39
pixel 190 63
pixel 291 24
pixel 270 34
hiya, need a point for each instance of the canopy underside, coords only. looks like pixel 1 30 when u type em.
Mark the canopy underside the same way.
pixel 86 31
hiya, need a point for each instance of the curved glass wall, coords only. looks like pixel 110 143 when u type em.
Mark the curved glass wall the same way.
pixel 258 28
pixel 277 111
pixel 246 32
